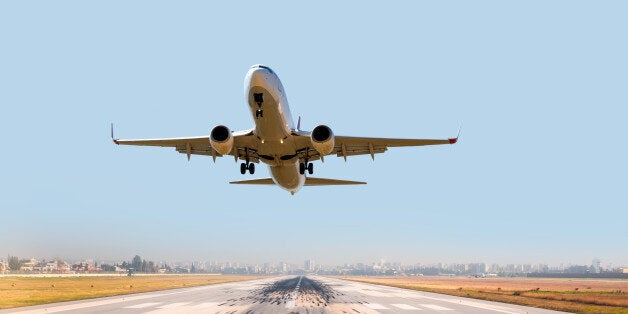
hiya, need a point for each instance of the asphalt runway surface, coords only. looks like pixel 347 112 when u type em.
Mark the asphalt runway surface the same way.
pixel 289 294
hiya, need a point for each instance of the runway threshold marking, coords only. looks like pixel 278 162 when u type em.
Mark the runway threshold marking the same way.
pixel 406 307
pixel 142 305
pixel 436 307
pixel 205 305
pixel 375 306
pixel 173 305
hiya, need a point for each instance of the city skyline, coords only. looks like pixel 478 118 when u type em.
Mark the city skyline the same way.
pixel 311 265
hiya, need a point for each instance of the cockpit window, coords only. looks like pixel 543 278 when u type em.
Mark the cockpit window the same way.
pixel 267 68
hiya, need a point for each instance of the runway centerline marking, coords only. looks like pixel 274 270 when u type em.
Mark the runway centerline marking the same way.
pixel 293 302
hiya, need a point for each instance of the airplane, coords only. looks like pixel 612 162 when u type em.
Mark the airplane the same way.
pixel 275 141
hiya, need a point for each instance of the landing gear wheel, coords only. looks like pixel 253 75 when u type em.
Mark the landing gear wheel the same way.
pixel 310 168
pixel 302 168
pixel 242 168
pixel 251 168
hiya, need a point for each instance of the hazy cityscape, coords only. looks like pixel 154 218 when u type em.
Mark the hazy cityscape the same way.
pixel 19 265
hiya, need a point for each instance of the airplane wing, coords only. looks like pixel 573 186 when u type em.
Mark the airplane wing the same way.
pixel 199 145
pixel 345 146
pixel 309 181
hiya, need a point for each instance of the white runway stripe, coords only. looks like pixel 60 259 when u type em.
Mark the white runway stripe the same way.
pixel 406 307
pixel 436 307
pixel 375 306
pixel 173 305
pixel 205 305
pixel 142 305
pixel 88 304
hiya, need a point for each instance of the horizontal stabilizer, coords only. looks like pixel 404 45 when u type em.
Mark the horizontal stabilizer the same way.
pixel 308 182
pixel 323 181
pixel 265 181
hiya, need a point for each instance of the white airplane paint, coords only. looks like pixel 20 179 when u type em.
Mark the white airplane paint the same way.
pixel 276 142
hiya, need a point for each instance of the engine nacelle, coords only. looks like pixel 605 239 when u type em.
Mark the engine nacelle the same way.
pixel 322 139
pixel 221 139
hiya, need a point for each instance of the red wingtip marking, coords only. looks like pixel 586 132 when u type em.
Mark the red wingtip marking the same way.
pixel 453 140
pixel 116 141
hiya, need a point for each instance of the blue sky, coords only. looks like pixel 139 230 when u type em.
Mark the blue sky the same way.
pixel 539 174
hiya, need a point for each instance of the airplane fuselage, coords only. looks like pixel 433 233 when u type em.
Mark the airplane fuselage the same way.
pixel 273 127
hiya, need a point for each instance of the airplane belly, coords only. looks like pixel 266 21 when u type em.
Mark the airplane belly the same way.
pixel 288 177
pixel 270 122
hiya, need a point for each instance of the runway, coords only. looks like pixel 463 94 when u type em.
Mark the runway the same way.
pixel 289 294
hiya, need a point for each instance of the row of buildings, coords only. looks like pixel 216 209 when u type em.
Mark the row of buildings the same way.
pixel 380 268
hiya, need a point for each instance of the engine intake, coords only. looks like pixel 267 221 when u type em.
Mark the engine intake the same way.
pixel 322 139
pixel 221 139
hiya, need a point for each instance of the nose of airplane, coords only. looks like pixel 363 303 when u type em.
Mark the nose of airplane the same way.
pixel 261 66
pixel 259 75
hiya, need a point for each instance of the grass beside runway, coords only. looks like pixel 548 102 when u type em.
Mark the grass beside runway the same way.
pixel 20 291
pixel 569 295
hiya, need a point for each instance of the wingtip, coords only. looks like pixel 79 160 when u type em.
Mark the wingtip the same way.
pixel 455 140
pixel 115 140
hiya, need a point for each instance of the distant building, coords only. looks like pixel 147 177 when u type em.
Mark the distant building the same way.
pixel 595 266
pixel 309 265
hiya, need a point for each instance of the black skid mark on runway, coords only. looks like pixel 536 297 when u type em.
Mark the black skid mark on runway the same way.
pixel 311 293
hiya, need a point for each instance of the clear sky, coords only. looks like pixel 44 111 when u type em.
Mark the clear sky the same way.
pixel 539 174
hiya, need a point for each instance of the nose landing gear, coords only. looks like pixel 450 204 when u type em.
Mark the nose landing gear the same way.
pixel 258 98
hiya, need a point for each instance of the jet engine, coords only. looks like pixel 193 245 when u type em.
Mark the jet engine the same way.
pixel 221 139
pixel 322 139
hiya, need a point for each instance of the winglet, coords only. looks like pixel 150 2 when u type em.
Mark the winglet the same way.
pixel 115 140
pixel 299 124
pixel 455 140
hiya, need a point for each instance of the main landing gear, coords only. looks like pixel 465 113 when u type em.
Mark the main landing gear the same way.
pixel 306 166
pixel 247 165
pixel 244 167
